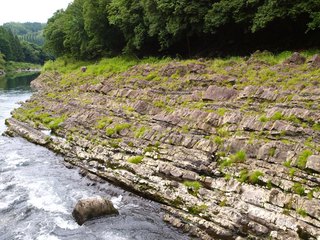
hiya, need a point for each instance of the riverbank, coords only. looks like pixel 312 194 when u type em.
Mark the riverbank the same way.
pixel 13 68
pixel 231 147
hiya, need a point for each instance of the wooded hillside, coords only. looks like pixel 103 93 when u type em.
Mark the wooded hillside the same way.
pixel 31 32
pixel 14 49
pixel 89 29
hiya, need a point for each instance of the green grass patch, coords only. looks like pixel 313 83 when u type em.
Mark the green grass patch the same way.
pixel 292 172
pixel 239 157
pixel 117 129
pixel 194 186
pixel 243 176
pixel 222 111
pixel 196 210
pixel 277 116
pixel 218 140
pixel 54 124
pixel 316 127
pixel 302 212
pixel 263 119
pixel 103 122
pixel 249 177
pixel 298 189
pixel 287 164
pixel 140 132
pixel 135 159
pixel 225 163
pixel 254 177
pixel 302 158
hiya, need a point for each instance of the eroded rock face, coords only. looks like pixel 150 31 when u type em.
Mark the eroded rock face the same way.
pixel 224 156
pixel 313 163
pixel 90 208
pixel 219 93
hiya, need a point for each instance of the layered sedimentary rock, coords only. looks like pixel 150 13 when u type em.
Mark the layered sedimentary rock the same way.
pixel 231 150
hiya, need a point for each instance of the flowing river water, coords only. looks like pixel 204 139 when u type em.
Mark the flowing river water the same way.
pixel 38 193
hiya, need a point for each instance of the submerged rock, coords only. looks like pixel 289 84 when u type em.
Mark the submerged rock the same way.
pixel 90 208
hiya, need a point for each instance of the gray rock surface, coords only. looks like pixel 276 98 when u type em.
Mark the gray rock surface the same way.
pixel 90 208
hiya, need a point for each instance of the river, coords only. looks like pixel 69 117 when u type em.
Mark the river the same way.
pixel 37 193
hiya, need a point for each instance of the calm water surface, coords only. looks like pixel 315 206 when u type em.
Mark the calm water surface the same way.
pixel 37 193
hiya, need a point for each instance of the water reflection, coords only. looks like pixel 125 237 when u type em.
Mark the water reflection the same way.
pixel 13 89
pixel 17 82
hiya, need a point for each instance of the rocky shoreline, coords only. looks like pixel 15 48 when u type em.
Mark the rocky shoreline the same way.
pixel 228 157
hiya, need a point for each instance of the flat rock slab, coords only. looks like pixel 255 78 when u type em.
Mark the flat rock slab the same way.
pixel 313 163
pixel 215 93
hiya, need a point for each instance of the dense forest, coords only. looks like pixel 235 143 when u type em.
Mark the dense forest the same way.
pixel 89 29
pixel 14 48
pixel 31 32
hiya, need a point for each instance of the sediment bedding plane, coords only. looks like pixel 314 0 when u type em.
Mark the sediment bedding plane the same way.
pixel 229 147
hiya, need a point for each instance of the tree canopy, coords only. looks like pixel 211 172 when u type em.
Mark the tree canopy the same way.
pixel 29 32
pixel 89 29
pixel 17 50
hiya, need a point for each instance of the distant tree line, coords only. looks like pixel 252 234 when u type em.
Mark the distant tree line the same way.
pixel 29 32
pixel 89 29
pixel 14 49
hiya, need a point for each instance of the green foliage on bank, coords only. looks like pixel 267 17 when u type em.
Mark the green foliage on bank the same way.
pixel 105 66
pixel 15 49
pixel 90 29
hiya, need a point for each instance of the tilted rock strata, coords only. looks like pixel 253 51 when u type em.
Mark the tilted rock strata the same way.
pixel 175 138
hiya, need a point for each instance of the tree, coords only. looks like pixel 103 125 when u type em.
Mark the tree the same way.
pixel 104 39
pixel 54 34
pixel 127 15
pixel 175 21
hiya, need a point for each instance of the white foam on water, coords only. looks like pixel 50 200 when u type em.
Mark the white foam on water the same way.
pixel 9 199
pixel 4 205
pixel 46 132
pixel 116 201
pixel 47 237
pixel 13 159
pixel 42 196
pixel 2 141
pixel 64 224
pixel 113 236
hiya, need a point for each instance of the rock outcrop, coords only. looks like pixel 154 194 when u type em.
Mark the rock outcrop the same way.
pixel 90 208
pixel 231 149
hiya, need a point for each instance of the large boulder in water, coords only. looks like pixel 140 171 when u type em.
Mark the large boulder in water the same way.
pixel 90 208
